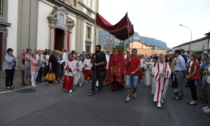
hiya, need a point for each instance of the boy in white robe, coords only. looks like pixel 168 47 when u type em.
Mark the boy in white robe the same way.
pixel 162 73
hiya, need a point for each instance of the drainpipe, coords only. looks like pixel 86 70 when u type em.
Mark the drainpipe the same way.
pixel 208 42
pixel 208 36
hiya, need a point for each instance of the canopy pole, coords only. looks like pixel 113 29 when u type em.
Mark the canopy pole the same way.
pixel 95 31
pixel 132 41
pixel 113 41
pixel 128 34
pixel 132 38
pixel 95 42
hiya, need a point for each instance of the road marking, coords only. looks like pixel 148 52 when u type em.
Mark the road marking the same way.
pixel 4 92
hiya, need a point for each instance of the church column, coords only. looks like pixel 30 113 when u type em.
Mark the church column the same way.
pixel 65 39
pixel 52 38
pixel 68 40
pixel 70 25
pixel 52 23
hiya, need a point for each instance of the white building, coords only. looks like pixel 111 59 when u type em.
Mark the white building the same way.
pixel 198 46
pixel 47 24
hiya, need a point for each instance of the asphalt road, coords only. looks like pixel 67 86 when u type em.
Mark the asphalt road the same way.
pixel 51 106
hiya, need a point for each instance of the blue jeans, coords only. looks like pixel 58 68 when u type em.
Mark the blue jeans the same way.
pixel 131 81
pixel 97 75
pixel 198 83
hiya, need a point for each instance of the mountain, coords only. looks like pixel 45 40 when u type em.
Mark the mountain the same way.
pixel 105 37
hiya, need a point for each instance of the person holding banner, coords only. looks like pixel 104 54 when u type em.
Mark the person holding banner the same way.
pixel 132 74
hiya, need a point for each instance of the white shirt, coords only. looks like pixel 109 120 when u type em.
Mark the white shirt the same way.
pixel 79 65
pixel 180 64
pixel 47 59
pixel 208 76
pixel 191 62
pixel 107 60
pixel 71 65
pixel 142 62
pixel 125 56
pixel 87 64
pixel 65 57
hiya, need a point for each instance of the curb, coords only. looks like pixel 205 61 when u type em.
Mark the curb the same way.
pixel 4 92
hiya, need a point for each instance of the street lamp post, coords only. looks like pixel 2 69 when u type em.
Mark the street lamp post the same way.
pixel 190 32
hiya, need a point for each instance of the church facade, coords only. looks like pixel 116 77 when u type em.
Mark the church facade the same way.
pixel 47 24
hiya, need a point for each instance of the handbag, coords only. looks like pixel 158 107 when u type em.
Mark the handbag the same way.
pixel 50 76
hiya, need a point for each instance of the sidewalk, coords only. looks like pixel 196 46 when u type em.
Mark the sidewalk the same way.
pixel 17 81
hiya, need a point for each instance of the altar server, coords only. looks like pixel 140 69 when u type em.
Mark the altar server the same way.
pixel 153 81
pixel 162 73
pixel 70 68
pixel 148 70
pixel 87 65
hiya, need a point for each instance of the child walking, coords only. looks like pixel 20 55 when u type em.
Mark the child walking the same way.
pixel 87 65
pixel 70 68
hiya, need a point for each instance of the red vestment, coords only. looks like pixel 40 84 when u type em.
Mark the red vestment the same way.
pixel 68 82
pixel 69 75
pixel 88 74
pixel 116 70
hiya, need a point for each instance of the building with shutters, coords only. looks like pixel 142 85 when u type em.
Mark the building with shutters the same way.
pixel 145 49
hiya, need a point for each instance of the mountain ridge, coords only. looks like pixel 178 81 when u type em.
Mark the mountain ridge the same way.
pixel 105 36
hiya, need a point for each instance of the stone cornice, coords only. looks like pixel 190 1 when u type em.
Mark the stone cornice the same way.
pixel 81 3
pixel 5 23
pixel 72 10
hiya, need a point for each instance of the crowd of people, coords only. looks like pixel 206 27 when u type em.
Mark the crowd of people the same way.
pixel 117 70
pixel 184 70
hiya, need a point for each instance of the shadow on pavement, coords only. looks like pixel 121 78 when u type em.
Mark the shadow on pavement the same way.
pixel 29 90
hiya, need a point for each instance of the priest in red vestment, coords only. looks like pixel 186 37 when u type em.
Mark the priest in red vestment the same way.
pixel 116 70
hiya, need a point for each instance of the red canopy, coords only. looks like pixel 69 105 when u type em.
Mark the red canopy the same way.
pixel 122 30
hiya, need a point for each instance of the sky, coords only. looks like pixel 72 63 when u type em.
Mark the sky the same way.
pixel 160 19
